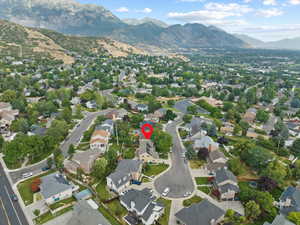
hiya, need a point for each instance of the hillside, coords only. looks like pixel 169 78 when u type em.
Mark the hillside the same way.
pixel 16 40
pixel 288 44
pixel 73 18
pixel 145 20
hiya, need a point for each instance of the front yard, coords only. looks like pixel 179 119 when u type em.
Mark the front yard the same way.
pixel 192 200
pixel 154 169
pixel 62 203
pixel 196 164
pixel 164 219
pixel 205 189
pixel 202 180
pixel 49 216
pixel 24 188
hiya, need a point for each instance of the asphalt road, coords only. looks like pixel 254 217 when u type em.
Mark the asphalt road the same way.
pixel 10 211
pixel 178 178
pixel 73 138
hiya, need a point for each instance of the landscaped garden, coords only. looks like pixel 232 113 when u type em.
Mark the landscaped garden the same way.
pixel 192 200
pixel 204 189
pixel 164 219
pixel 202 180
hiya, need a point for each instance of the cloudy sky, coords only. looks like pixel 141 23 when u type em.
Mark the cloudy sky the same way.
pixel 267 20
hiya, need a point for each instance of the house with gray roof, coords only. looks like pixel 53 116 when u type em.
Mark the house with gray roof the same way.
pixel 202 213
pixel 280 220
pixel 55 187
pixel 289 201
pixel 226 183
pixel 147 152
pixel 84 214
pixel 143 204
pixel 126 171
pixel 183 105
pixel 206 142
pixel 216 160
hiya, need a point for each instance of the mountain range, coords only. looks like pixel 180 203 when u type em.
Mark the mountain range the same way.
pixel 73 18
pixel 288 44
pixel 135 22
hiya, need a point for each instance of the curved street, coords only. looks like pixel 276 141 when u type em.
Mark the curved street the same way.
pixel 178 178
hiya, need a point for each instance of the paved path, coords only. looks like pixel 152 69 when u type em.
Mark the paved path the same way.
pixel 178 177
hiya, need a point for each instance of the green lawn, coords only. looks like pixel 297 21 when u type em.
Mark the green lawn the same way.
pixel 108 215
pixel 145 180
pixel 117 209
pixel 103 193
pixel 201 180
pixel 204 189
pixel 62 203
pixel 153 170
pixel 164 219
pixel 192 200
pixel 25 189
pixel 196 164
pixel 49 216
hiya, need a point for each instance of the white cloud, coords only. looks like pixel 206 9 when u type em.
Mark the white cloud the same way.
pixel 192 0
pixel 232 7
pixel 294 2
pixel 145 10
pixel 269 2
pixel 268 13
pixel 122 10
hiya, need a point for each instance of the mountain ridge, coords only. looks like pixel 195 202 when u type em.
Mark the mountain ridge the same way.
pixel 73 18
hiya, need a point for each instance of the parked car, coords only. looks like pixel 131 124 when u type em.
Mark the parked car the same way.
pixel 14 197
pixel 45 168
pixel 166 191
pixel 136 182
pixel 26 175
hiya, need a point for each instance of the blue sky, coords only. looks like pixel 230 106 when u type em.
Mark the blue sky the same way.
pixel 267 20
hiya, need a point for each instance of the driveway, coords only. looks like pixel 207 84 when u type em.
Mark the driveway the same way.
pixel 178 177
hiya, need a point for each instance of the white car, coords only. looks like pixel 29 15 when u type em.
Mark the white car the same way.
pixel 166 191
pixel 26 175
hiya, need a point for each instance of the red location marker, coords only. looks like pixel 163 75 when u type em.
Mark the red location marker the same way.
pixel 147 130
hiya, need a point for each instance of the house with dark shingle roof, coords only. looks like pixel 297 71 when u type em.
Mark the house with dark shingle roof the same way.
pixel 147 152
pixel 85 214
pixel 203 213
pixel 226 183
pixel 55 187
pixel 206 142
pixel 280 220
pixel 289 201
pixel 126 171
pixel 143 204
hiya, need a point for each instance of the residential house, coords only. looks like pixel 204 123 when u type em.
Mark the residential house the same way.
pixel 251 133
pixel 7 116
pixel 202 213
pixel 82 159
pixel 183 105
pixel 146 151
pixel 86 213
pixel 91 105
pixel 250 115
pixel 289 201
pixel 116 114
pixel 126 171
pixel 152 117
pixel 160 113
pixel 206 142
pixel 212 101
pixel 280 220
pixel 196 125
pixel 216 160
pixel 55 187
pixel 107 125
pixel 227 128
pixel 142 203
pixel 99 140
pixel 142 107
pixel 226 183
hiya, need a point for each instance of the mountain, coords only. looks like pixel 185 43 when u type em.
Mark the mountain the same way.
pixel 135 22
pixel 24 42
pixel 288 44
pixel 71 17
pixel 250 40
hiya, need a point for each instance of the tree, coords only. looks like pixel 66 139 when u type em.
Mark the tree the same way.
pixel 294 217
pixel 8 96
pixel 192 109
pixel 187 118
pixel 236 166
pixel 170 115
pixel 262 116
pixel 266 202
pixel 66 114
pixel 35 185
pixel 99 169
pixel 276 171
pixel 190 153
pixel 266 184
pixel 252 210
pixel 295 103
pixel 20 125
pixel 162 141
pixel 36 212
pixel 203 153
pixel 71 149
pixel 50 162
pixel 1 142
pixel 296 147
